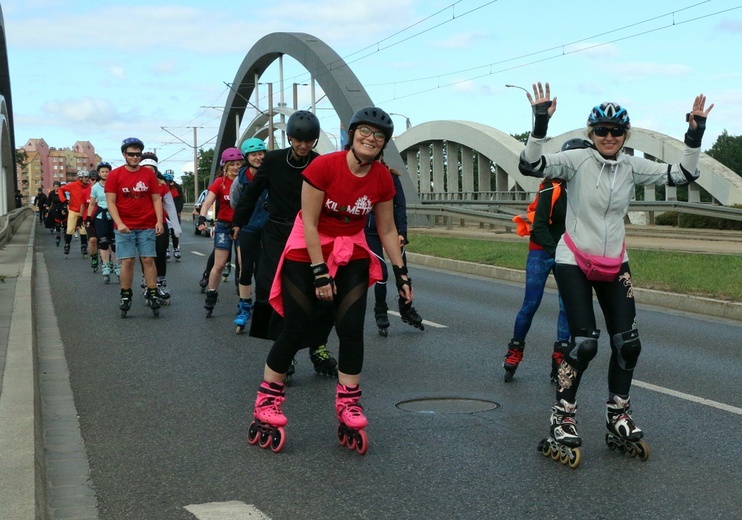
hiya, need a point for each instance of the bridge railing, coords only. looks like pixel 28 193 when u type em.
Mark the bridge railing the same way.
pixel 499 213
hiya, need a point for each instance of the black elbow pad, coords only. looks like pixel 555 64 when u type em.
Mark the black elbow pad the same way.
pixel 532 169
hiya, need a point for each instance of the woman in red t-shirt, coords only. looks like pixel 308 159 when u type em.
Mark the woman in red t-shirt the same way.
pixel 327 262
pixel 223 242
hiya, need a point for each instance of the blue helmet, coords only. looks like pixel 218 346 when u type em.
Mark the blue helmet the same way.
pixel 103 164
pixel 609 113
pixel 169 175
pixel 131 141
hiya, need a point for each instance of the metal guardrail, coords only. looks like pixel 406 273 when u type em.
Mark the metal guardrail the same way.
pixel 502 212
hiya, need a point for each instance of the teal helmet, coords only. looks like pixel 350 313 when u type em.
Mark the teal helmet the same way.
pixel 252 145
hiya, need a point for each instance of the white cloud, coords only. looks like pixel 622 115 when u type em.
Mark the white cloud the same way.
pixel 86 110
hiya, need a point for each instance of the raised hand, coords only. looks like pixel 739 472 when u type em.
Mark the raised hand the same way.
pixel 698 110
pixel 542 95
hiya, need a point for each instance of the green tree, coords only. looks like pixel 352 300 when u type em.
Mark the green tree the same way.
pixel 728 151
pixel 21 158
pixel 205 158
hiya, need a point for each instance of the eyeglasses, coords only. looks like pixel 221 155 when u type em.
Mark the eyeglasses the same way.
pixel 366 131
pixel 603 131
pixel 133 154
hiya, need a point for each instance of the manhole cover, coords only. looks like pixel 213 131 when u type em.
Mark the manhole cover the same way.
pixel 447 405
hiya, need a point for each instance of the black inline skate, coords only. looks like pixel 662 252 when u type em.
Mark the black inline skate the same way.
pixel 226 272
pixel 410 316
pixel 563 441
pixel 94 262
pixel 125 303
pixel 623 434
pixel 176 254
pixel 162 293
pixel 288 377
pixel 266 429
pixel 58 239
pixel 153 302
pixel 204 282
pixel 382 320
pixel 324 363
pixel 66 250
pixel 513 358
pixel 211 298
pixel 84 250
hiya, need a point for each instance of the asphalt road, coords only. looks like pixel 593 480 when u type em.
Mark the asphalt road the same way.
pixel 164 405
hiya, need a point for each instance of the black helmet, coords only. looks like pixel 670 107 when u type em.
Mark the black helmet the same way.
pixel 373 116
pixel 104 164
pixel 131 141
pixel 303 125
pixel 576 144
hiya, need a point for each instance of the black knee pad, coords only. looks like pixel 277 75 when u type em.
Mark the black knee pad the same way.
pixel 103 244
pixel 583 349
pixel 628 347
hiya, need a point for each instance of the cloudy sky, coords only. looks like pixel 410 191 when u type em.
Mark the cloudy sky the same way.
pixel 102 71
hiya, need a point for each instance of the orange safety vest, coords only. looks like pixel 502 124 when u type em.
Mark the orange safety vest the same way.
pixel 524 223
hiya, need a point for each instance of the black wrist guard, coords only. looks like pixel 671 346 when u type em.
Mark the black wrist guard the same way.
pixel 540 119
pixel 693 137
pixel 324 280
pixel 320 269
pixel 201 220
pixel 401 282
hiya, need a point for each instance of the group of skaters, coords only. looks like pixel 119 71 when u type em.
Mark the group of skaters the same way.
pixel 107 208
pixel 312 231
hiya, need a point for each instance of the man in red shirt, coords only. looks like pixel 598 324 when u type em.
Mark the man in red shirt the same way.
pixel 76 194
pixel 134 202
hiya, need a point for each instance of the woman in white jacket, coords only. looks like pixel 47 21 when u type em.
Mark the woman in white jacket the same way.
pixel 601 181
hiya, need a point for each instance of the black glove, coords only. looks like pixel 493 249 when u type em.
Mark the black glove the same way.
pixel 401 282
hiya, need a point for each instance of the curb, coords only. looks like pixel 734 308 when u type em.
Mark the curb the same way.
pixel 693 304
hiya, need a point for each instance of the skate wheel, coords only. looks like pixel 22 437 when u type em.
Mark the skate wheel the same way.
pixel 574 458
pixel 544 448
pixel 509 375
pixel 203 289
pixel 555 455
pixel 342 437
pixel 156 312
pixel 208 313
pixel 253 433
pixel 265 439
pixel 278 439
pixel 642 450
pixel 239 330
pixel 352 441
pixel 610 443
pixel 362 442
pixel 383 332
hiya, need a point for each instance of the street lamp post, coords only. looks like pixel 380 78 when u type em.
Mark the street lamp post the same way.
pixel 526 91
pixel 408 124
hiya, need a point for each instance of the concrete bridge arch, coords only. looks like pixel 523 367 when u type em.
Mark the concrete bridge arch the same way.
pixel 482 150
pixel 327 68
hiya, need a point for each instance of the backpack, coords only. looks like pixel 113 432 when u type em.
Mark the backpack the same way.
pixel 524 223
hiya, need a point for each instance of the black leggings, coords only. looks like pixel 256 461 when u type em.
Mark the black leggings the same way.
pixel 161 243
pixel 616 300
pixel 250 252
pixel 301 309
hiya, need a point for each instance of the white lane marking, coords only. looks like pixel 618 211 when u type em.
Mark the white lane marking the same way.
pixel 689 397
pixel 234 510
pixel 425 322
pixel 197 253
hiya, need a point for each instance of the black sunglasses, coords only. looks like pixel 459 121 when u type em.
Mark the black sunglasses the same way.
pixel 133 154
pixel 602 131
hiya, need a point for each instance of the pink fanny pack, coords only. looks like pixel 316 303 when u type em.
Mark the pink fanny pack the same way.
pixel 596 268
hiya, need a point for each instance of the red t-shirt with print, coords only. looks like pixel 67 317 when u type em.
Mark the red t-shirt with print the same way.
pixel 134 192
pixel 348 199
pixel 220 188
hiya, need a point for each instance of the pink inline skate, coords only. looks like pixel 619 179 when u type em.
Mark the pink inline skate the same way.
pixel 266 430
pixel 351 420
